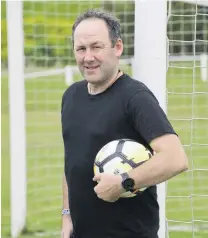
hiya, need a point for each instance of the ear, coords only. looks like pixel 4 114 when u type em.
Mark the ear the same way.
pixel 119 48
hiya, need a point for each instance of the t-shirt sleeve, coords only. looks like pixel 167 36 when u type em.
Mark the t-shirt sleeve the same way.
pixel 148 118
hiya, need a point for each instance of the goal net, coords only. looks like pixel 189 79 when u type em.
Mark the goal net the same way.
pixel 49 69
pixel 187 85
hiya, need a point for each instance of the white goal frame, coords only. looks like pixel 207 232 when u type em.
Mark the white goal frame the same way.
pixel 149 54
pixel 18 184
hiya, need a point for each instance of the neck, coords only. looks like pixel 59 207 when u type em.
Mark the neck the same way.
pixel 96 89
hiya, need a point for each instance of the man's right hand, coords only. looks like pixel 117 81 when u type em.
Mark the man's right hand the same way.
pixel 67 226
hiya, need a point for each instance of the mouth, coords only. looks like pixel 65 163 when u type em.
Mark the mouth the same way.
pixel 91 67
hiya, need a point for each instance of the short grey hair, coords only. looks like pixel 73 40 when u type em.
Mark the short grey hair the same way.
pixel 111 21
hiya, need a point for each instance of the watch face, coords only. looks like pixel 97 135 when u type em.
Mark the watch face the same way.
pixel 128 184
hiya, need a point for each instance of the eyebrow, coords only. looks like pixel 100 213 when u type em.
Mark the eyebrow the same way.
pixel 94 43
pixel 97 42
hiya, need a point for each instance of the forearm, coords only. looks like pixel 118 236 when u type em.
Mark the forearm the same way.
pixel 65 193
pixel 67 226
pixel 158 169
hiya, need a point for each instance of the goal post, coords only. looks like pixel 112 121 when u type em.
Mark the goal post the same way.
pixel 17 116
pixel 150 65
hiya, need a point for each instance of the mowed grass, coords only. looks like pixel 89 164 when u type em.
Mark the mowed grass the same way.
pixel 187 194
pixel 188 113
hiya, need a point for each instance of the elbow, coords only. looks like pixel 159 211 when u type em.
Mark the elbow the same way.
pixel 182 164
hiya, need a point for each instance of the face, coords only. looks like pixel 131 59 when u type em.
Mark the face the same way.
pixel 96 58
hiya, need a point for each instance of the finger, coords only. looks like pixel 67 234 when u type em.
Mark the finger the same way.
pixel 111 200
pixel 96 188
pixel 97 177
pixel 106 199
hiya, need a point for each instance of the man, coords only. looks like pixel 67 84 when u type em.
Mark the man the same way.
pixel 105 106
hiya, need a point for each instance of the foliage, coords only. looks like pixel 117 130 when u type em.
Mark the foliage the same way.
pixel 47 28
pixel 185 23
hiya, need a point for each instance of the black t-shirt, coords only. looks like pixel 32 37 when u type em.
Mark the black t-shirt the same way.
pixel 127 109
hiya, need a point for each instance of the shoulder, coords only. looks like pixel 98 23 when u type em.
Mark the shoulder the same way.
pixel 132 85
pixel 137 97
pixel 131 88
pixel 73 88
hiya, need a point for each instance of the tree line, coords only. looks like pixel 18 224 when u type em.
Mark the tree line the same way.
pixel 47 29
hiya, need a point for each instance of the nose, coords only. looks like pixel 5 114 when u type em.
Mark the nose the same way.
pixel 88 56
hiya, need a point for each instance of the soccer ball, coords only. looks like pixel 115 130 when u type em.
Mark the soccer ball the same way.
pixel 120 156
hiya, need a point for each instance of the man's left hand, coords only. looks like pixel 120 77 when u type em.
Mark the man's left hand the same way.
pixel 109 186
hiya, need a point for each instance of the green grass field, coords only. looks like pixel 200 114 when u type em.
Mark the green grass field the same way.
pixel 185 202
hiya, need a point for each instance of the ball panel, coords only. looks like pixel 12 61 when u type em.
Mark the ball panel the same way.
pixel 135 151
pixel 96 169
pixel 127 195
pixel 120 145
pixel 106 151
pixel 116 166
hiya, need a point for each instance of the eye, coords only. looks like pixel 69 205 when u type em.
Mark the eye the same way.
pixel 97 47
pixel 80 49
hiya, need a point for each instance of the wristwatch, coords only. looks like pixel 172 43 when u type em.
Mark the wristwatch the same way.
pixel 65 212
pixel 127 182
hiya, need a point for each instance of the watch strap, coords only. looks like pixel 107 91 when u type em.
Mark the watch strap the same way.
pixel 124 176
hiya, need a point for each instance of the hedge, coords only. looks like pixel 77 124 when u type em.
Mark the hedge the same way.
pixel 47 29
